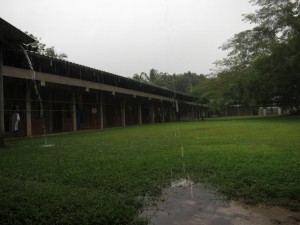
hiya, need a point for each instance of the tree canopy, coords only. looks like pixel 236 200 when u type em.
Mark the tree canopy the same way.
pixel 43 50
pixel 263 64
pixel 185 83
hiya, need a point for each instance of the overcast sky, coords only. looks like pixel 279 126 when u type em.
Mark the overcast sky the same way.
pixel 132 36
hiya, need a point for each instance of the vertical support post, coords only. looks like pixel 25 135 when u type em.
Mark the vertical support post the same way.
pixel 170 110
pixel 152 115
pixel 170 114
pixel 162 114
pixel 101 112
pixel 28 110
pixel 74 112
pixel 2 129
pixel 51 113
pixel 173 113
pixel 193 113
pixel 79 111
pixel 123 114
pixel 176 114
pixel 140 113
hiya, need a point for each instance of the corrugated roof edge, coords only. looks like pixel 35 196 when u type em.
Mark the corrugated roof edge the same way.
pixel 112 74
pixel 21 38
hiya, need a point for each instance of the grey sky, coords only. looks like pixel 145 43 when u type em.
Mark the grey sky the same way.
pixel 132 36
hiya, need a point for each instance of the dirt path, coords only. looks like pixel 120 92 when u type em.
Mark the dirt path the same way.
pixel 185 203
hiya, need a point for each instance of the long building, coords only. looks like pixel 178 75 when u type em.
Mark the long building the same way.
pixel 60 96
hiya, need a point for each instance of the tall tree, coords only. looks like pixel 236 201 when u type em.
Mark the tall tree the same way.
pixel 269 52
pixel 277 22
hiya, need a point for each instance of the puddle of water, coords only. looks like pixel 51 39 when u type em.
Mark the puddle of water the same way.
pixel 186 203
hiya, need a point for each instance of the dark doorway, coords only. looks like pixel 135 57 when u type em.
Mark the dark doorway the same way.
pixel 57 117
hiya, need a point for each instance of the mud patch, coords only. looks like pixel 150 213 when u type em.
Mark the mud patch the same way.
pixel 190 204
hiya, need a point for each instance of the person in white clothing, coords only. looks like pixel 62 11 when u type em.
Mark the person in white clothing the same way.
pixel 15 121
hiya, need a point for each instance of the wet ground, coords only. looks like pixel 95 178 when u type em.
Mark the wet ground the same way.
pixel 185 203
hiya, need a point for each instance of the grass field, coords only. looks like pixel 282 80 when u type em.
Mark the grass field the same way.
pixel 102 177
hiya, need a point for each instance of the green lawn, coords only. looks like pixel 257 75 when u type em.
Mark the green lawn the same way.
pixel 102 177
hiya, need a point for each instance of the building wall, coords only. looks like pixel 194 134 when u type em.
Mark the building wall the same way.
pixel 67 109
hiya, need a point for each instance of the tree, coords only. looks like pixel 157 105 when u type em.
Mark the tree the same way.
pixel 40 48
pixel 277 22
pixel 51 52
pixel 184 83
pixel 144 77
pixel 187 82
pixel 267 57
pixel 139 77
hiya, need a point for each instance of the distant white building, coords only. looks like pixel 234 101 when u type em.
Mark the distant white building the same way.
pixel 271 110
pixel 276 111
